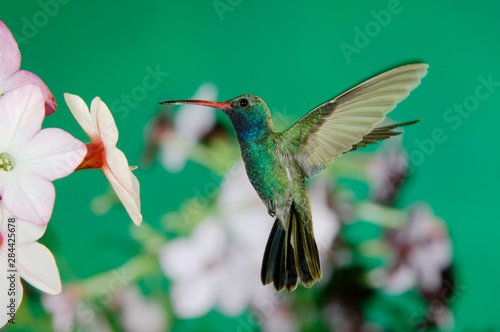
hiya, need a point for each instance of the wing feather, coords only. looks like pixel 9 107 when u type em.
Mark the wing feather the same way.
pixel 345 122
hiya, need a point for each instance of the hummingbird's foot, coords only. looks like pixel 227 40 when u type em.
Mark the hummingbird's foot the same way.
pixel 272 212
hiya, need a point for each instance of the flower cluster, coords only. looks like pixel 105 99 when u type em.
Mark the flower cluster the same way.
pixel 31 158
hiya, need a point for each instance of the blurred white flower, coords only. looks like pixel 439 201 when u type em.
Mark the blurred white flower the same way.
pixel 387 172
pixel 11 77
pixel 140 314
pixel 69 312
pixel 191 123
pixel 423 250
pixel 326 222
pixel 219 264
pixel 62 308
pixel 281 319
pixel 30 158
pixel 22 256
pixel 102 153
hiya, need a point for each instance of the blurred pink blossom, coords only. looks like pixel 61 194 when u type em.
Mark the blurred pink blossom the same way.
pixel 218 266
pixel 71 313
pixel 423 251
pixel 139 313
pixel 387 172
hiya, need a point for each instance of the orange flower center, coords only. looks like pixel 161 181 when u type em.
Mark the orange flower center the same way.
pixel 95 158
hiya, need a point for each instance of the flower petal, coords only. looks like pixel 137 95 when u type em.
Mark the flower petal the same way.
pixel 22 78
pixel 5 288
pixel 37 266
pixel 4 217
pixel 174 153
pixel 29 232
pixel 62 308
pixel 21 116
pixel 180 259
pixel 82 115
pixel 140 313
pixel 28 197
pixel 124 183
pixel 10 57
pixel 52 154
pixel 194 297
pixel 105 123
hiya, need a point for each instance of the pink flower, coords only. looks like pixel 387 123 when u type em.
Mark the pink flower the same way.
pixel 26 258
pixel 140 313
pixel 387 172
pixel 10 75
pixel 31 158
pixel 423 251
pixel 102 153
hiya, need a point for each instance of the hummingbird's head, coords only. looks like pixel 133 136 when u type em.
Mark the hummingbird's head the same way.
pixel 248 113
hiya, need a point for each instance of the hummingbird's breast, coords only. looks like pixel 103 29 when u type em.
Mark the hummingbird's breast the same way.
pixel 265 170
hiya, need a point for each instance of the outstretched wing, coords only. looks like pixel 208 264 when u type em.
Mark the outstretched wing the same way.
pixel 343 123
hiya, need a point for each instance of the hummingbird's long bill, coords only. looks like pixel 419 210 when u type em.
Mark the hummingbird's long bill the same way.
pixel 221 105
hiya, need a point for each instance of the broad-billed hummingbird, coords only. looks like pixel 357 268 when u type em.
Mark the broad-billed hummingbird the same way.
pixel 277 164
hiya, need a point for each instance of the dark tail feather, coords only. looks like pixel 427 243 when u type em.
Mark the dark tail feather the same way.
pixel 306 253
pixel 283 263
pixel 382 133
pixel 273 247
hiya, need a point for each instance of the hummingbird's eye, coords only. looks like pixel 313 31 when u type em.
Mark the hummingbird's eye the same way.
pixel 243 102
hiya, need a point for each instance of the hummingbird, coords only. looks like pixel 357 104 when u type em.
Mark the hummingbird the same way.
pixel 278 163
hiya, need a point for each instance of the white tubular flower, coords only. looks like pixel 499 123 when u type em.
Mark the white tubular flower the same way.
pixel 102 152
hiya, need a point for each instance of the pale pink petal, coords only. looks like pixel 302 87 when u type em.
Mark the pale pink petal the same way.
pixel 118 165
pixel 28 232
pixel 4 217
pixel 400 280
pixel 194 297
pixel 105 123
pixel 82 115
pixel 21 116
pixel 62 308
pixel 326 222
pixel 141 314
pixel 52 154
pixel 124 183
pixel 174 154
pixel 233 297
pixel 180 258
pixel 278 318
pixel 210 240
pixel 27 196
pixel 10 57
pixel 22 78
pixel 5 288
pixel 37 266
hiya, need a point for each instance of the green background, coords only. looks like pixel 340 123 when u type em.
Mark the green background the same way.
pixel 289 53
